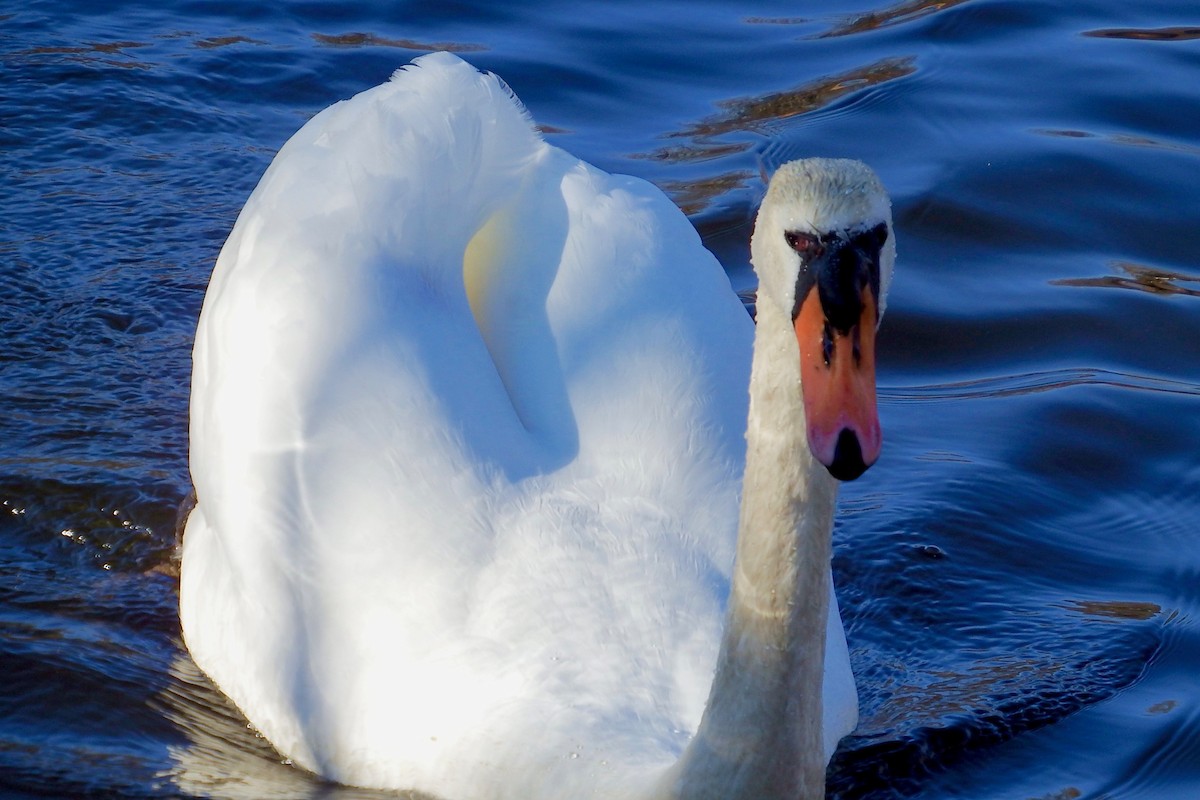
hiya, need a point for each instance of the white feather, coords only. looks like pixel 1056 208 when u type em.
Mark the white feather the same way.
pixel 467 439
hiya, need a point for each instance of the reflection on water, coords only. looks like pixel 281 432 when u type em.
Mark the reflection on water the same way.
pixel 1149 34
pixel 1125 139
pixel 88 54
pixel 743 123
pixel 865 21
pixel 697 195
pixel 1117 609
pixel 1143 278
pixel 757 114
pixel 898 14
pixel 374 40
pixel 222 757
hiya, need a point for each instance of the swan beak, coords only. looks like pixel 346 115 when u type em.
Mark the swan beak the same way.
pixel 837 370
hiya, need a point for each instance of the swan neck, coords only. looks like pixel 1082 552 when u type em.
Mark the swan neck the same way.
pixel 762 731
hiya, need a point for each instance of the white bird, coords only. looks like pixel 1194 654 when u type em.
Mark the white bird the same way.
pixel 467 440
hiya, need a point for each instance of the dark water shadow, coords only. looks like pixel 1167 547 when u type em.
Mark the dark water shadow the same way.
pixel 1170 34
pixel 224 758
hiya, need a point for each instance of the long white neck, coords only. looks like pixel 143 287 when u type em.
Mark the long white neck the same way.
pixel 762 732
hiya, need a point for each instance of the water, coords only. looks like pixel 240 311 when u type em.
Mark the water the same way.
pixel 1019 573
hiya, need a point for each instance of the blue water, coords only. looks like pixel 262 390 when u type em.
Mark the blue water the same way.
pixel 1019 575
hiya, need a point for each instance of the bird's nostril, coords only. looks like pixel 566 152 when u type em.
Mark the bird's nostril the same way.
pixel 848 461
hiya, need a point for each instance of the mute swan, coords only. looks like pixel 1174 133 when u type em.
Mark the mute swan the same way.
pixel 467 441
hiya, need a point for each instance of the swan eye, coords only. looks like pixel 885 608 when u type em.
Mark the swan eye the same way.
pixel 877 236
pixel 806 245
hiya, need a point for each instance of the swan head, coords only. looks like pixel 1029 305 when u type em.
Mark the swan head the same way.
pixel 824 251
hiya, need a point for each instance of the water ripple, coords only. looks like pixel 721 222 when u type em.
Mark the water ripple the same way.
pixel 744 123
pixel 1033 383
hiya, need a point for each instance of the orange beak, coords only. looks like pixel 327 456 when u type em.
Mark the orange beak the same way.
pixel 838 375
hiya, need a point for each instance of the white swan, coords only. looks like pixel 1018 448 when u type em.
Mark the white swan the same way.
pixel 467 441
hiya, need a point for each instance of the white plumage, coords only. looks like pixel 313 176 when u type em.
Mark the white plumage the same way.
pixel 467 438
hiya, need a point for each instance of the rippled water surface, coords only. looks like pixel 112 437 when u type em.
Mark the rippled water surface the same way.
pixel 1020 574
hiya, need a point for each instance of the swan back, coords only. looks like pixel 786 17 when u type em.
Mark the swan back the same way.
pixel 466 438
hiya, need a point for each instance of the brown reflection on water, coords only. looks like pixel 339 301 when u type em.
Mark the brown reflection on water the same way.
pixel 110 48
pixel 89 53
pixel 709 138
pixel 1165 707
pixel 1127 139
pixel 1116 609
pixel 1069 793
pixel 862 22
pixel 694 196
pixel 1149 34
pixel 359 39
pixel 1142 278
pixel 214 42
pixel 752 114
pixel 897 14
pixel 984 692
